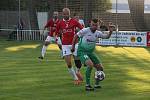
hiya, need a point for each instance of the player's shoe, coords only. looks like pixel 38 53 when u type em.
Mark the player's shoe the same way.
pixel 77 82
pixel 79 75
pixel 89 88
pixel 41 57
pixel 97 87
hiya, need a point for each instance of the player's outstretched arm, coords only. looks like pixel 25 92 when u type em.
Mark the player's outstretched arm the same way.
pixel 111 28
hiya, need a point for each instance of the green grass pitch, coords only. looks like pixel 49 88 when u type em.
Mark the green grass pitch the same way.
pixel 24 77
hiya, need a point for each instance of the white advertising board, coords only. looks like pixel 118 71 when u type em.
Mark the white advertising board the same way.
pixel 124 38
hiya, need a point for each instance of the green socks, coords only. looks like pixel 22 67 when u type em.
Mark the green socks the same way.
pixel 88 74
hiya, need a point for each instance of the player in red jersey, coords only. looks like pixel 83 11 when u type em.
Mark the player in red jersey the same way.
pixel 67 26
pixel 51 38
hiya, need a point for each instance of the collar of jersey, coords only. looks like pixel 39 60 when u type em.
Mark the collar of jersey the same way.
pixel 54 20
pixel 66 20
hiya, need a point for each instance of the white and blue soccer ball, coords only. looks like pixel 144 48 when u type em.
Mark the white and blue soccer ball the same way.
pixel 99 75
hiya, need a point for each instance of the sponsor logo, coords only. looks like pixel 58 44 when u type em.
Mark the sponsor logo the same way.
pixel 132 39
pixel 139 39
pixel 88 40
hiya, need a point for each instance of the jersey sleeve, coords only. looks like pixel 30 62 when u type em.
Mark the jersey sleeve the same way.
pixel 82 32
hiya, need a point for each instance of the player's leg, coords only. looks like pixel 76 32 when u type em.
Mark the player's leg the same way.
pixel 90 65
pixel 67 56
pixel 59 43
pixel 78 64
pixel 96 61
pixel 86 60
pixel 46 43
pixel 61 52
pixel 98 66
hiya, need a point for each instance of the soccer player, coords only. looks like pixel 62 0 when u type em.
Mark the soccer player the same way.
pixel 68 26
pixel 88 37
pixel 51 38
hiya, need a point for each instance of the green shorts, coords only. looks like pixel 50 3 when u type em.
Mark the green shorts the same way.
pixel 88 55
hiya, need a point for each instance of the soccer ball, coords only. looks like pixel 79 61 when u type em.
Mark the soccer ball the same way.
pixel 99 75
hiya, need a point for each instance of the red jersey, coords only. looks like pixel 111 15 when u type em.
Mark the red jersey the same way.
pixel 68 30
pixel 51 24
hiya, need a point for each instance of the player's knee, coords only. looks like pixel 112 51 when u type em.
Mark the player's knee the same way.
pixel 78 63
pixel 60 47
pixel 46 43
pixel 69 66
pixel 89 63
pixel 99 67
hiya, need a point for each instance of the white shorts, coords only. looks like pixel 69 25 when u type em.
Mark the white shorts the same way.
pixel 53 40
pixel 50 39
pixel 67 50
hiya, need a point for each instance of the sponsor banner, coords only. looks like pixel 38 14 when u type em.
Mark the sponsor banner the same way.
pixel 148 39
pixel 124 38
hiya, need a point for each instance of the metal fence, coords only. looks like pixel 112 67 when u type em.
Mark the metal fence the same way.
pixel 25 34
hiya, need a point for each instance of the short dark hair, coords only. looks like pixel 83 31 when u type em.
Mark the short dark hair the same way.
pixel 95 20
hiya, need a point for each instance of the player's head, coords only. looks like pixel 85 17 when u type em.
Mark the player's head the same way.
pixel 66 13
pixel 76 16
pixel 94 24
pixel 55 14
